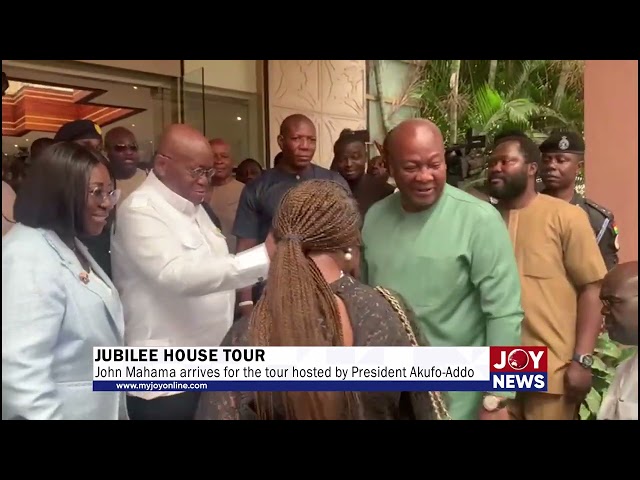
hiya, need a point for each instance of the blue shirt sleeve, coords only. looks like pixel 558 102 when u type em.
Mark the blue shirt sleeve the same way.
pixel 336 177
pixel 247 222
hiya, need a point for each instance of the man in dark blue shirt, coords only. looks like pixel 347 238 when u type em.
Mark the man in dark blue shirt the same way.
pixel 261 198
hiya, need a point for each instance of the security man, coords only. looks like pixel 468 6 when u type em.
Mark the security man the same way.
pixel 562 158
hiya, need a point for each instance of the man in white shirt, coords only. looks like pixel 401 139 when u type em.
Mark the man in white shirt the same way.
pixel 619 295
pixel 172 266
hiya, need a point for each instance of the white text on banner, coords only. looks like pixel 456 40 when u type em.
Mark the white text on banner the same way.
pixel 298 368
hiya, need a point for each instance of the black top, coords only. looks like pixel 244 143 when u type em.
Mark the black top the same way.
pixel 100 246
pixel 369 190
pixel 214 218
pixel 604 227
pixel 375 324
pixel 261 198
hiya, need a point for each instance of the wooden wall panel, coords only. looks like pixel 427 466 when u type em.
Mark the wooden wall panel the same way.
pixel 330 92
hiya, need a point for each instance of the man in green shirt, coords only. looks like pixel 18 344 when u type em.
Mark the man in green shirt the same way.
pixel 448 254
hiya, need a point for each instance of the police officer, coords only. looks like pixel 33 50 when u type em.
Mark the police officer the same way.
pixel 562 158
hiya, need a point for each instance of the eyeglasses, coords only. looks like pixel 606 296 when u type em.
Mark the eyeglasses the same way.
pixel 200 172
pixel 195 173
pixel 122 147
pixel 100 195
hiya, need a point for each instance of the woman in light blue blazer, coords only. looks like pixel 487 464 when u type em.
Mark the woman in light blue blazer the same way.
pixel 57 303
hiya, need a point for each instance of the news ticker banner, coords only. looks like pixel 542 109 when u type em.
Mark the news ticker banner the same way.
pixel 486 369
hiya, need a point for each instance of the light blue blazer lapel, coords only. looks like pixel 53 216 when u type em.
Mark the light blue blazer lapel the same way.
pixel 112 302
pixel 70 261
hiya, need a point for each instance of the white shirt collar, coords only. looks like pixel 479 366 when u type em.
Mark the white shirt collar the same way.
pixel 172 198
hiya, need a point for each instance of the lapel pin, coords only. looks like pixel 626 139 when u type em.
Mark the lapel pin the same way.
pixel 84 277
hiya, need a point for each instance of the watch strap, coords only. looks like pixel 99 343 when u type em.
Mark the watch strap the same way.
pixel 580 359
pixel 502 402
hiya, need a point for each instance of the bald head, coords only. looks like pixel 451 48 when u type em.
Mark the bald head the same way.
pixel 623 278
pixel 116 135
pixel 184 162
pixel 222 161
pixel 297 141
pixel 179 141
pixel 218 141
pixel 619 295
pixel 416 128
pixel 122 149
pixel 293 121
pixel 414 151
pixel 38 146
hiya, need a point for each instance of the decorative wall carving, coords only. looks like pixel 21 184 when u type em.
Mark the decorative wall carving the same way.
pixel 330 92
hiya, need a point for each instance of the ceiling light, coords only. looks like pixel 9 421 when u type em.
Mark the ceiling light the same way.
pixel 16 146
pixel 26 139
pixel 133 124
pixel 135 88
pixel 238 118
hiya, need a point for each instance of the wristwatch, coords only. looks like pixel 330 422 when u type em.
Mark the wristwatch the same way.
pixel 585 361
pixel 491 403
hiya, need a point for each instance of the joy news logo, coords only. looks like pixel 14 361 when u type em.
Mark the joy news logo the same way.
pixel 518 369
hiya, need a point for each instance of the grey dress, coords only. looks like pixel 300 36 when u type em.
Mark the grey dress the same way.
pixel 375 324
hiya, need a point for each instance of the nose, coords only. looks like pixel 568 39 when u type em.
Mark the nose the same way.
pixel 495 167
pixel 202 180
pixel 424 175
pixel 305 144
pixel 107 203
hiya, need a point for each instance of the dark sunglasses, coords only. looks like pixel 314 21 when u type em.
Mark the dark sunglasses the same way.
pixel 121 147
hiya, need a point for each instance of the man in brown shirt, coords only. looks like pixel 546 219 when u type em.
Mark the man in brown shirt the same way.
pixel 561 269
pixel 224 193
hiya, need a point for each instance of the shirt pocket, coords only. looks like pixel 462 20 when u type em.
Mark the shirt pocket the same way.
pixel 539 267
pixel 191 239
pixel 79 401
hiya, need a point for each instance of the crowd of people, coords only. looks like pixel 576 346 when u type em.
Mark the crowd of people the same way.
pixel 381 252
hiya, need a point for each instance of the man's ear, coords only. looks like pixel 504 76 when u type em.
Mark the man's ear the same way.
pixel 160 166
pixel 390 168
pixel 280 141
pixel 533 168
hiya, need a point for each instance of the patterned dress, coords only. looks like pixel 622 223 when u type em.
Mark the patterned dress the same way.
pixel 375 324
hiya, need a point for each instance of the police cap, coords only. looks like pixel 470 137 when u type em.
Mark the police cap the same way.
pixel 563 142
pixel 78 130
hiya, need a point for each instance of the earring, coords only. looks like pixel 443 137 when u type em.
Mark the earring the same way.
pixel 348 256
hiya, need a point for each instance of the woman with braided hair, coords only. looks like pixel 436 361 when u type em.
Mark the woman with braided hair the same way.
pixel 310 301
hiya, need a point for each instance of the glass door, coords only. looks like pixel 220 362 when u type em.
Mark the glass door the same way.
pixel 193 104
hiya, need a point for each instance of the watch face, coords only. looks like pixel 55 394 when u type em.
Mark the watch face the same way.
pixel 587 360
pixel 490 403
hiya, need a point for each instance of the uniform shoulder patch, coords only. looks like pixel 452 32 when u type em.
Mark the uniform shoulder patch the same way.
pixel 599 208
